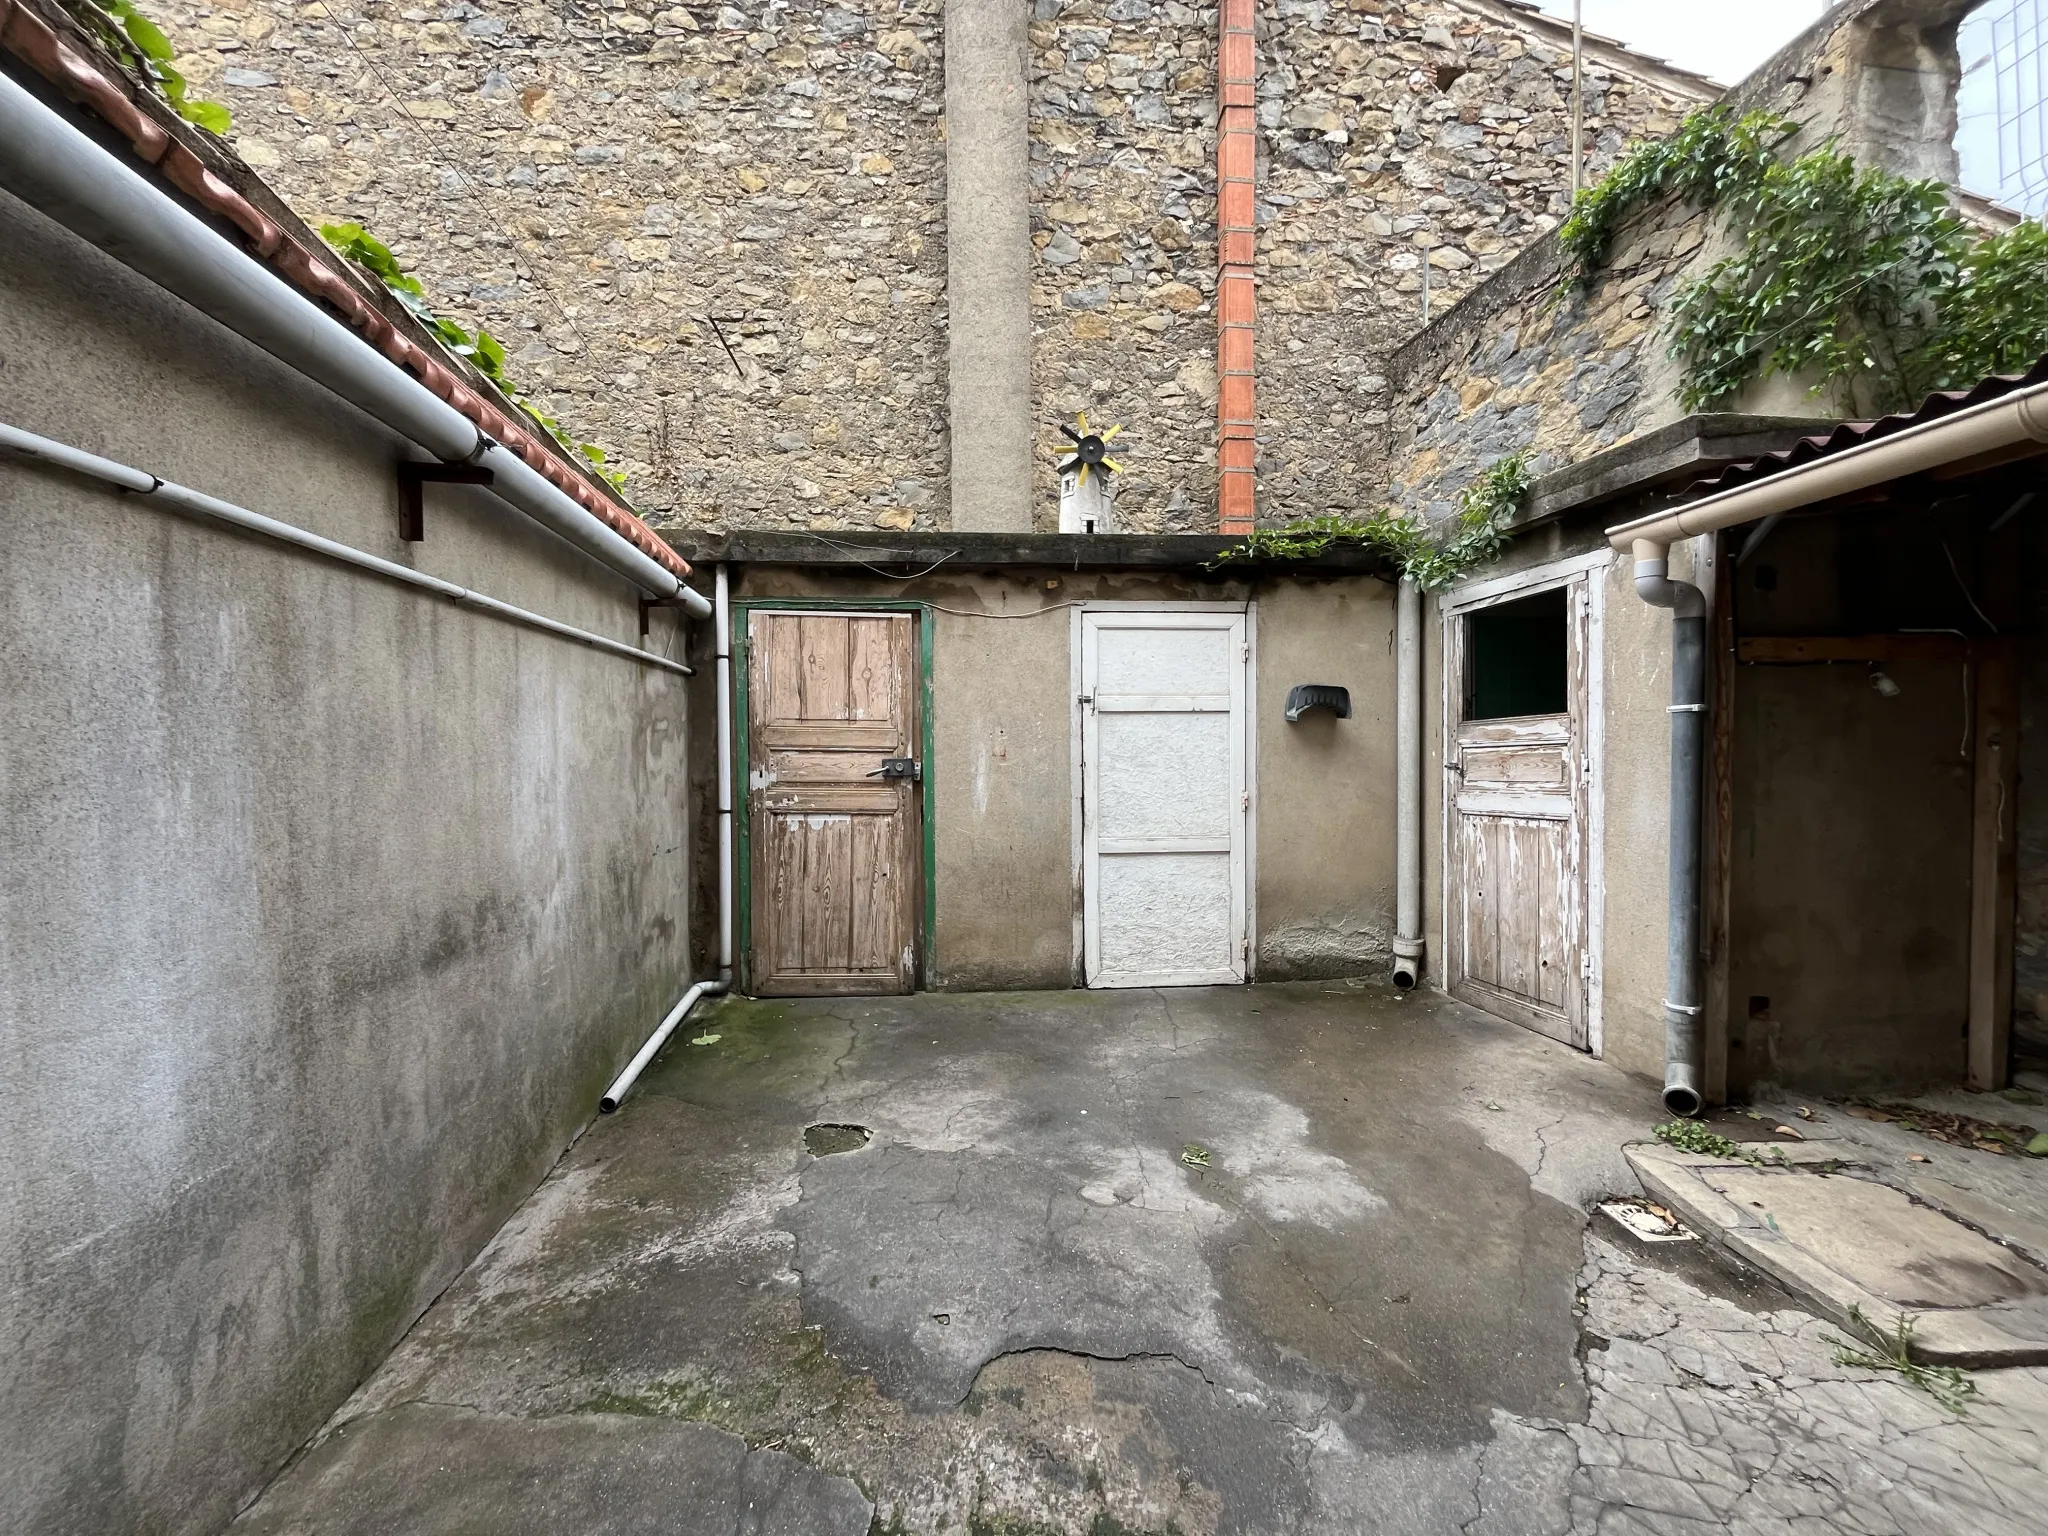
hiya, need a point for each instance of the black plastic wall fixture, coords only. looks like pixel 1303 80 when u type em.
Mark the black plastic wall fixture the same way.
pixel 1303 697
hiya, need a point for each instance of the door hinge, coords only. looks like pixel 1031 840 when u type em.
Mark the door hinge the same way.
pixel 1586 967
pixel 1244 801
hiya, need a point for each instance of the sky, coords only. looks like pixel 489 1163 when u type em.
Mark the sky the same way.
pixel 1724 39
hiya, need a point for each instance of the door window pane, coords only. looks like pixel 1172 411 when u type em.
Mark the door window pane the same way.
pixel 1516 658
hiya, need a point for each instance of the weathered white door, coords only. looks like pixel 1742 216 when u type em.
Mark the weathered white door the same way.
pixel 1165 800
pixel 1517 757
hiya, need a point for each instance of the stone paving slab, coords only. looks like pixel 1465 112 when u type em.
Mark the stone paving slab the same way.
pixel 1842 1241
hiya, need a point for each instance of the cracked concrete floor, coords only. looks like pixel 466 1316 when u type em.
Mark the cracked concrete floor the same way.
pixel 1017 1309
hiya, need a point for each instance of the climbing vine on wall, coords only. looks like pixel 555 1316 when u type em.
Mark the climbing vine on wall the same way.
pixel 1865 283
pixel 141 47
pixel 484 351
pixel 1432 558
pixel 1714 157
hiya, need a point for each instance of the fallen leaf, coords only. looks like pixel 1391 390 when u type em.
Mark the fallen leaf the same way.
pixel 1195 1155
pixel 1804 1113
pixel 1917 1157
pixel 1786 1130
pixel 2038 1147
pixel 1493 1104
pixel 705 1040
pixel 1989 1146
pixel 1864 1112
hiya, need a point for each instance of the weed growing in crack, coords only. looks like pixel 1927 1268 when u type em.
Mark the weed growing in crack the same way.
pixel 1691 1136
pixel 1948 1385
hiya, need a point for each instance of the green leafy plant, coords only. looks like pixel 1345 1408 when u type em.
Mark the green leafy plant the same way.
pixel 1843 275
pixel 1691 1136
pixel 1946 1384
pixel 483 350
pixel 1713 157
pixel 1432 560
pixel 1867 283
pixel 140 45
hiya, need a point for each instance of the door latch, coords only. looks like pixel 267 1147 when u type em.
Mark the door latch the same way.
pixel 899 768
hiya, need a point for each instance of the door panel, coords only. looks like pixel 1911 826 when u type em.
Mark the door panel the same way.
pixel 834 848
pixel 1518 826
pixel 1164 798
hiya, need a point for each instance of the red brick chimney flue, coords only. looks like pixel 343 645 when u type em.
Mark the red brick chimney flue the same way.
pixel 1236 242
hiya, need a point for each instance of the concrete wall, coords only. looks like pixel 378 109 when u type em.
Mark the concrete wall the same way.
pixel 329 908
pixel 1008 896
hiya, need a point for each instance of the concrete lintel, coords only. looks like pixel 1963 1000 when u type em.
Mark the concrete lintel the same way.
pixel 1672 456
pixel 913 552
pixel 988 265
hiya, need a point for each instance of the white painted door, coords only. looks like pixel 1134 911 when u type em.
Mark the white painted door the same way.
pixel 1165 800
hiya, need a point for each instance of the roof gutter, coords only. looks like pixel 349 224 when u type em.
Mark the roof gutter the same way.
pixel 54 167
pixel 1980 429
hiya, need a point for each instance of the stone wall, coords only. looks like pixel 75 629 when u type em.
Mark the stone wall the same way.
pixel 712 238
pixel 1518 364
pixel 711 242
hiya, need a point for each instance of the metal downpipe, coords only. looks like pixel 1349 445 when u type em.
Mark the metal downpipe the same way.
pixel 722 639
pixel 1408 786
pixel 1684 1035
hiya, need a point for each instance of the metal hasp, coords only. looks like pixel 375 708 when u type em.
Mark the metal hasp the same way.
pixel 412 502
pixel 1303 697
pixel 900 768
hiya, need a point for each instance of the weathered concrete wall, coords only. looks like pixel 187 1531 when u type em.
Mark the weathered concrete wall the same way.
pixel 1326 786
pixel 599 186
pixel 1008 896
pixel 329 908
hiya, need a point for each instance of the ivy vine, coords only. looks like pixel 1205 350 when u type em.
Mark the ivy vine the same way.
pixel 483 350
pixel 1865 282
pixel 1433 559
pixel 141 48
pixel 1714 157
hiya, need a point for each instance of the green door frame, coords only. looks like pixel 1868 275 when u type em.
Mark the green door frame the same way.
pixel 743 609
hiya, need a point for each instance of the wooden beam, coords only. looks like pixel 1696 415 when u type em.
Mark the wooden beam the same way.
pixel 1996 692
pixel 1789 649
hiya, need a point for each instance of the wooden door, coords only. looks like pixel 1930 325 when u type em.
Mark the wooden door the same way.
pixel 1517 847
pixel 831 698
pixel 1165 803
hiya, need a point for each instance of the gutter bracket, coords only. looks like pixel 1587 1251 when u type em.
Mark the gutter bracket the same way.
pixel 649 604
pixel 412 502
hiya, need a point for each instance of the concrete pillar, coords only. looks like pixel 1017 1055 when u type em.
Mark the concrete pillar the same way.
pixel 988 265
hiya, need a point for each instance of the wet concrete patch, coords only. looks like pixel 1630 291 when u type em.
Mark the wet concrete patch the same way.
pixel 1015 1306
pixel 831 1140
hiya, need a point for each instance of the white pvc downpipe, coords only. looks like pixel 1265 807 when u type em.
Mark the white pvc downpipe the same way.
pixel 183 498
pixel 54 167
pixel 722 622
pixel 722 645
pixel 615 1095
pixel 1408 786
pixel 1684 1035
pixel 2017 418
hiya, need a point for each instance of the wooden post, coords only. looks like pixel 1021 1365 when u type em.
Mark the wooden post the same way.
pixel 1996 691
